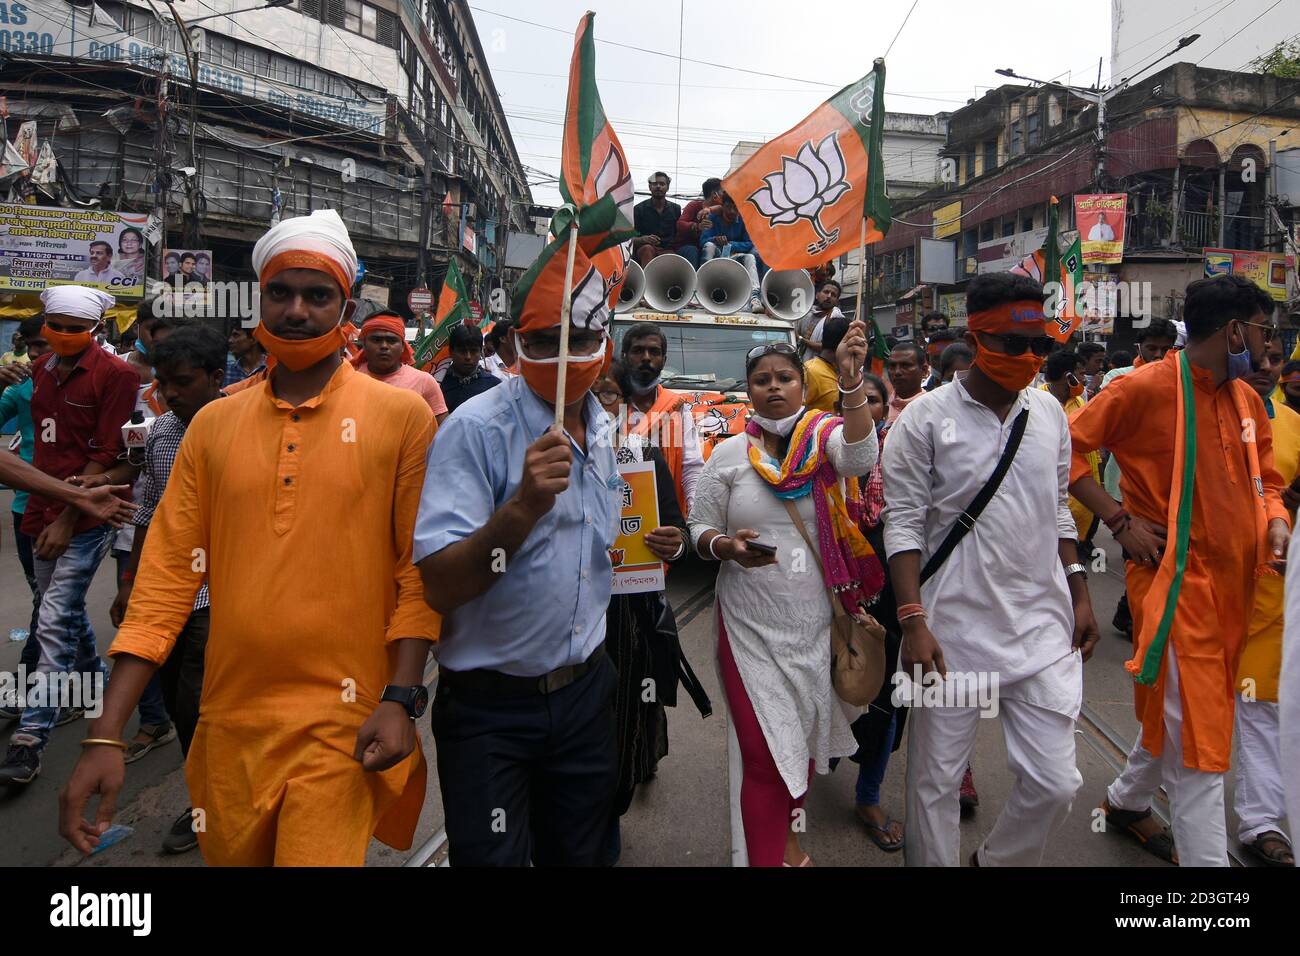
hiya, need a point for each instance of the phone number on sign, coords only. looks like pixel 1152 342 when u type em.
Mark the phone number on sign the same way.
pixel 27 41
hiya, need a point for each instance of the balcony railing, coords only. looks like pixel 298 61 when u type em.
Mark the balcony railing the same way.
pixel 1196 230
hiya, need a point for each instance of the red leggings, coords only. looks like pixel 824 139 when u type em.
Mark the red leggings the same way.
pixel 765 802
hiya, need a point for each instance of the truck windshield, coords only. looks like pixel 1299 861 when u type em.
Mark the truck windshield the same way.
pixel 707 356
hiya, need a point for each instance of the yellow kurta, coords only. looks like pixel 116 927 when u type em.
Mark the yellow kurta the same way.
pixel 1261 661
pixel 303 518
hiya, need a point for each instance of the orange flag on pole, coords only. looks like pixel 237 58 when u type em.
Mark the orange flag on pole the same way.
pixel 804 195
pixel 594 174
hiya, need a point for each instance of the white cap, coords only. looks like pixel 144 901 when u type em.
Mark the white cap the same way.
pixel 77 302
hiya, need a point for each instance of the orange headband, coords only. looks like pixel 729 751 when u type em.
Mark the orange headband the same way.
pixel 300 259
pixel 385 323
pixel 1022 318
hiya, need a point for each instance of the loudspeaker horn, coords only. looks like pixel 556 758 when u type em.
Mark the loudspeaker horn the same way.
pixel 669 283
pixel 788 293
pixel 629 297
pixel 723 286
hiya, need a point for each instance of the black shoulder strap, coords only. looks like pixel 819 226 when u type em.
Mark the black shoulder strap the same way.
pixel 966 520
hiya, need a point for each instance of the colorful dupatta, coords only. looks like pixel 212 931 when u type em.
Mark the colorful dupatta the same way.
pixel 850 566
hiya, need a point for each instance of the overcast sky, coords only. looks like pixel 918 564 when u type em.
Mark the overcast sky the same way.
pixel 947 53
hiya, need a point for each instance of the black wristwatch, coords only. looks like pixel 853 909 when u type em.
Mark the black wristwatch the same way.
pixel 414 699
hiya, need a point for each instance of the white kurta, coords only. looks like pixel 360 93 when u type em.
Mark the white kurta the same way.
pixel 778 618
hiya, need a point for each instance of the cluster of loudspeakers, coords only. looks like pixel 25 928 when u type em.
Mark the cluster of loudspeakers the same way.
pixel 721 286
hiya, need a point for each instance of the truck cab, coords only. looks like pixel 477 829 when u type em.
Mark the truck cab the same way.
pixel 706 362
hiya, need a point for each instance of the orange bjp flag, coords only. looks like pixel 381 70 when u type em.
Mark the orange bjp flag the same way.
pixel 804 195
pixel 594 174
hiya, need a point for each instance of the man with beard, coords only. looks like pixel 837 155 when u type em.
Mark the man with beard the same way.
pixel 657 414
pixel 811 326
pixel 1202 519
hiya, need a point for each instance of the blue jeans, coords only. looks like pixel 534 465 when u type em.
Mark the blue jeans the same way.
pixel 23 544
pixel 67 640
pixel 691 254
pixel 872 771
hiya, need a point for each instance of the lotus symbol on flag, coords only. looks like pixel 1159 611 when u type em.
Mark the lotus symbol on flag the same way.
pixel 590 304
pixel 614 179
pixel 805 185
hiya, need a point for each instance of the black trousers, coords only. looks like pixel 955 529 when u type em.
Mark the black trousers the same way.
pixel 181 677
pixel 528 779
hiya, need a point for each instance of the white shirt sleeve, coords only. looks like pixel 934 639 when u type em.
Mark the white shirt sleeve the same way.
pixel 712 496
pixel 905 468
pixel 692 457
pixel 852 460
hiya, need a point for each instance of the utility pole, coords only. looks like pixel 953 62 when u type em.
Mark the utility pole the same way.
pixel 162 163
pixel 426 208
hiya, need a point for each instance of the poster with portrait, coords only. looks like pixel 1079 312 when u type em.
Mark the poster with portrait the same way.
pixel 42 246
pixel 636 569
pixel 1099 217
pixel 187 269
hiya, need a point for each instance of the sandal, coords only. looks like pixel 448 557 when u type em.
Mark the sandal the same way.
pixel 882 837
pixel 807 861
pixel 1272 848
pixel 158 735
pixel 1159 845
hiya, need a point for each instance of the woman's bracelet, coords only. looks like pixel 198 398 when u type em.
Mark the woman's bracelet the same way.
pixel 1118 521
pixel 681 550
pixel 106 741
pixel 906 611
pixel 713 541
pixel 851 388
pixel 854 408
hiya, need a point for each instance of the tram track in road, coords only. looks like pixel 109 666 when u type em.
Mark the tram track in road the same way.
pixel 433 851
pixel 1111 746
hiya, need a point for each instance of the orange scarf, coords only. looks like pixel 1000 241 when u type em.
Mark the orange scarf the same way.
pixel 663 418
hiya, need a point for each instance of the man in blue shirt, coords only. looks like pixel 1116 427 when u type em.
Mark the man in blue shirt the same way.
pixel 512 540
pixel 466 376
pixel 725 236
pixel 247 357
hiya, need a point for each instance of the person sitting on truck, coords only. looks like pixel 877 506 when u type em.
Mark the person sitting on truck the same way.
pixel 725 236
pixel 695 218
pixel 656 222
pixel 657 414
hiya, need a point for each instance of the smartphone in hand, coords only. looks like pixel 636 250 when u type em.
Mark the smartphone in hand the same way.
pixel 761 547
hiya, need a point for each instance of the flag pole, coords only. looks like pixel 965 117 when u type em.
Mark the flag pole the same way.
pixel 863 278
pixel 566 307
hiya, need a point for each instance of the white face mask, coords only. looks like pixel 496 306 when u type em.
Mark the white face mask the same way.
pixel 778 426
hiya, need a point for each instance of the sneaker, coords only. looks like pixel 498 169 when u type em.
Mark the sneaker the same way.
pixel 181 838
pixel 22 765
pixel 968 799
pixel 755 304
pixel 158 734
pixel 68 714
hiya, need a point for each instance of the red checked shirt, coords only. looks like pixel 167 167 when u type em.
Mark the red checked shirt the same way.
pixel 76 421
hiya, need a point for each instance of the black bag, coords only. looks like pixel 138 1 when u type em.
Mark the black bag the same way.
pixel 966 520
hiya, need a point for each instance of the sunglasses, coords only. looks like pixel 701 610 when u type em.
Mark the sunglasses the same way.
pixel 1019 344
pixel 770 348
pixel 1269 330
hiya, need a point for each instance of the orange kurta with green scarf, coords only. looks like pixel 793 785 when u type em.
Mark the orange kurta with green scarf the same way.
pixel 1136 418
pixel 303 518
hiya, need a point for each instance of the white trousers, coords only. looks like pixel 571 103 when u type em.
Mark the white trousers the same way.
pixel 1195 797
pixel 1040 753
pixel 1260 799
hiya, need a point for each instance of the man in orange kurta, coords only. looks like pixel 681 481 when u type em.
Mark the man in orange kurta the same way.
pixel 1237 525
pixel 297 499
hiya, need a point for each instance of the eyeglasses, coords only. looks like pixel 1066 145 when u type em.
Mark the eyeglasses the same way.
pixel 1269 330
pixel 770 348
pixel 607 397
pixel 1018 344
pixel 546 345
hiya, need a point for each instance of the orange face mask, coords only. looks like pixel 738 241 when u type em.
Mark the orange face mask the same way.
pixel 1012 372
pixel 298 354
pixel 543 375
pixel 68 344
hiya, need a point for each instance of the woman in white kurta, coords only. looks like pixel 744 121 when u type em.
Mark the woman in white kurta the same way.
pixel 773 612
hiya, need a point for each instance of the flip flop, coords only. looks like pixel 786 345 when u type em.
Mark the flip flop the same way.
pixel 1280 855
pixel 807 861
pixel 880 836
pixel 1159 845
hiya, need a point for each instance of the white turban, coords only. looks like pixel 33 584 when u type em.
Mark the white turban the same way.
pixel 77 302
pixel 319 241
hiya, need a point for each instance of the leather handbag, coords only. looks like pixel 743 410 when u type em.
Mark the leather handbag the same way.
pixel 857 640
